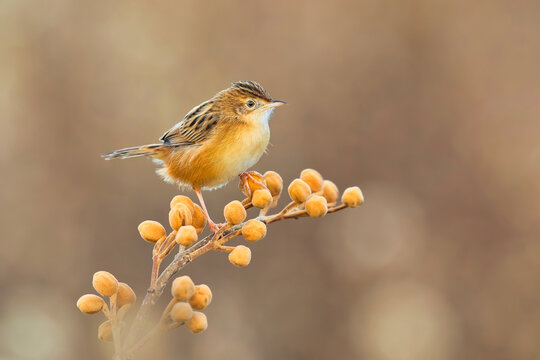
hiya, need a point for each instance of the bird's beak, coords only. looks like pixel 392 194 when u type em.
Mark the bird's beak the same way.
pixel 275 103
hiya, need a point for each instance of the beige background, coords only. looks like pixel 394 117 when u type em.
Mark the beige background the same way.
pixel 431 107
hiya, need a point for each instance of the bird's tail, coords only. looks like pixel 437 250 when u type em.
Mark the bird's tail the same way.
pixel 153 150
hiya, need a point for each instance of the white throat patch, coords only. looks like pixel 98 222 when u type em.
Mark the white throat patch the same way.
pixel 265 116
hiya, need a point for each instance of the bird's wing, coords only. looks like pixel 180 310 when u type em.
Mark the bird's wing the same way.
pixel 194 128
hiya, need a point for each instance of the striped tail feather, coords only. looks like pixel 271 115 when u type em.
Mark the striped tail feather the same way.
pixel 145 150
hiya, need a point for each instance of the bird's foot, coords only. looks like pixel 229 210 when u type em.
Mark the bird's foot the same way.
pixel 213 226
pixel 251 181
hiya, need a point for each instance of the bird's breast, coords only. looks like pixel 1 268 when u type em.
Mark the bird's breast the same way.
pixel 244 148
pixel 231 147
pixel 232 150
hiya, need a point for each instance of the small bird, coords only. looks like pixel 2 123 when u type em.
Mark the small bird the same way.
pixel 216 141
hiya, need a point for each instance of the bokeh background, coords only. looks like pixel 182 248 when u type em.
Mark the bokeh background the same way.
pixel 431 107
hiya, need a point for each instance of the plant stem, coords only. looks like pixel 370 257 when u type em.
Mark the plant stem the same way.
pixel 185 256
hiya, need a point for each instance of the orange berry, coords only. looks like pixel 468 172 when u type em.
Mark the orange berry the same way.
pixel 186 235
pixel 182 199
pixel 126 295
pixel 181 312
pixel 240 256
pixel 234 212
pixel 330 191
pixel 183 288
pixel 202 297
pixel 105 331
pixel 352 197
pixel 261 198
pixel 198 220
pixel 316 206
pixel 253 181
pixel 180 215
pixel 105 283
pixel 299 190
pixel 254 230
pixel 151 231
pixel 274 182
pixel 197 323
pixel 313 179
pixel 90 304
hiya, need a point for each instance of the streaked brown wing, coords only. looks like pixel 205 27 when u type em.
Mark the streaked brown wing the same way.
pixel 194 128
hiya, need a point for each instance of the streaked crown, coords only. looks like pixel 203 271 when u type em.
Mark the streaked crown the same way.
pixel 249 89
pixel 243 97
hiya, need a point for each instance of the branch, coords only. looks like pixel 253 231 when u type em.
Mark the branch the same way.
pixel 206 244
pixel 311 196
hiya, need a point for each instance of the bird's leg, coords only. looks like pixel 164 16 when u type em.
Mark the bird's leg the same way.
pixel 212 225
pixel 250 176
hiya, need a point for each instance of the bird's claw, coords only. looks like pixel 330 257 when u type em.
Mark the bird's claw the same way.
pixel 214 227
pixel 251 181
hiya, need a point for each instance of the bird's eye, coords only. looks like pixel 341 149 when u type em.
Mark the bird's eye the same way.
pixel 250 103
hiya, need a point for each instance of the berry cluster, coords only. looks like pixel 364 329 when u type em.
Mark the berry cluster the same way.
pixel 311 196
pixel 121 297
pixel 187 297
pixel 183 309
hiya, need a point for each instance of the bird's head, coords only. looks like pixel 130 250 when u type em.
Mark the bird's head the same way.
pixel 247 101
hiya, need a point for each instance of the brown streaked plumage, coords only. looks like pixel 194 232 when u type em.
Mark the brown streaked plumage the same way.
pixel 216 141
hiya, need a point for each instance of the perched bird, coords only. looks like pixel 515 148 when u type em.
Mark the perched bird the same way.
pixel 216 141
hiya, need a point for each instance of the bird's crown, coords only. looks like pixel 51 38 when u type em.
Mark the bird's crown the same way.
pixel 250 89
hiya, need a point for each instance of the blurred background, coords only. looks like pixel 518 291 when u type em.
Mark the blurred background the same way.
pixel 431 107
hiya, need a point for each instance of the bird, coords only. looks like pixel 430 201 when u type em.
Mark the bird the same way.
pixel 215 141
